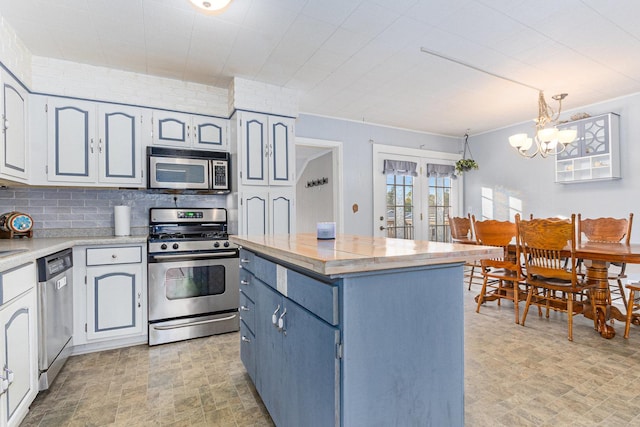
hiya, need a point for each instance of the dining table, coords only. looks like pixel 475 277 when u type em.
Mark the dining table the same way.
pixel 598 256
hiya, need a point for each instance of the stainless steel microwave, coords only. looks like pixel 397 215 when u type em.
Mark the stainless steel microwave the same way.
pixel 178 169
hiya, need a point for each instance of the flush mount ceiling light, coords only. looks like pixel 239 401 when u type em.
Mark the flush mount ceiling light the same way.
pixel 549 140
pixel 211 6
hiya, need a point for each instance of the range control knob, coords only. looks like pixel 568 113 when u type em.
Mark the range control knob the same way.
pixel 216 245
pixel 175 246
pixel 226 244
pixel 163 246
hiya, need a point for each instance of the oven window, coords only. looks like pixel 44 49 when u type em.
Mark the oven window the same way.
pixel 180 173
pixel 190 282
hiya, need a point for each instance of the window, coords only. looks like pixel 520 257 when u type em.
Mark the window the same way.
pixel 406 185
pixel 400 206
pixel 439 205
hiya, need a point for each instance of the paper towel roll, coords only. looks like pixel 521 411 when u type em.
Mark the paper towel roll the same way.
pixel 122 220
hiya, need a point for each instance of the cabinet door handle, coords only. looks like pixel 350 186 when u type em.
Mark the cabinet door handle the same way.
pixel 9 373
pixel 245 339
pixel 100 145
pixel 244 282
pixel 274 316
pixel 139 299
pixel 281 320
pixel 244 308
pixel 244 261
pixel 91 146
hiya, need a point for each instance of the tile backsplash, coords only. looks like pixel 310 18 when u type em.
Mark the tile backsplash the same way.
pixel 61 212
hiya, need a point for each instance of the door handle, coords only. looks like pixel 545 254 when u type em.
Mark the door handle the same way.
pixel 382 228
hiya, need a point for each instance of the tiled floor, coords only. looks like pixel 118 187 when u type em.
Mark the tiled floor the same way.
pixel 514 376
pixel 191 383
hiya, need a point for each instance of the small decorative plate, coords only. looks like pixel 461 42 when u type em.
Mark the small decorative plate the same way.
pixel 20 222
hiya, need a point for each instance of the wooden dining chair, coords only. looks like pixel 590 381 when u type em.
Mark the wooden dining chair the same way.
pixel 609 230
pixel 548 248
pixel 502 276
pixel 462 232
pixel 633 307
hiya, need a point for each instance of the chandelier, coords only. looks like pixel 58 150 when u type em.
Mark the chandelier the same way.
pixel 549 141
pixel 211 6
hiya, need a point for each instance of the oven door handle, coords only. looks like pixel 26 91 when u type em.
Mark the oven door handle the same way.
pixel 199 322
pixel 193 256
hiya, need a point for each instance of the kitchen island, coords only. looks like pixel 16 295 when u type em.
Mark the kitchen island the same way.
pixel 356 331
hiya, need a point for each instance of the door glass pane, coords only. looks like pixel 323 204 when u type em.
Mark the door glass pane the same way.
pixel 439 204
pixel 189 282
pixel 399 217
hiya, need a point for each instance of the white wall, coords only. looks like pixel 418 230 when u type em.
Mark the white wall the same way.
pixel 265 98
pixel 57 77
pixel 506 173
pixel 14 54
pixel 314 204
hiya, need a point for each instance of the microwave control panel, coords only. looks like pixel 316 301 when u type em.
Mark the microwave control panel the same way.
pixel 220 175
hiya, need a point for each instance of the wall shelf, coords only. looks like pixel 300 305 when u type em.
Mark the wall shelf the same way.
pixel 594 155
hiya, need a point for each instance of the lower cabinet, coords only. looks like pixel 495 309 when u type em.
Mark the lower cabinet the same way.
pixel 114 301
pixel 297 362
pixel 248 322
pixel 359 349
pixel 18 345
pixel 114 294
pixel 293 359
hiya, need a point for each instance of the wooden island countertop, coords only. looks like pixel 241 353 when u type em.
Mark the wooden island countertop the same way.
pixel 354 254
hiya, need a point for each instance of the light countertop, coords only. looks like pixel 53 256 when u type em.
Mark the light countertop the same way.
pixel 354 254
pixel 34 248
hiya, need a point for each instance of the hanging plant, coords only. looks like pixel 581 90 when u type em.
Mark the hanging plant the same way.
pixel 466 164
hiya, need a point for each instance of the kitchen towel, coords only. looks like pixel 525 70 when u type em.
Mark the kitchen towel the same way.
pixel 122 220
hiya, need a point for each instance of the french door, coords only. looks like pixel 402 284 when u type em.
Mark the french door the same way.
pixel 408 204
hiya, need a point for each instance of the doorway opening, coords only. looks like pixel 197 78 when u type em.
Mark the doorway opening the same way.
pixel 319 184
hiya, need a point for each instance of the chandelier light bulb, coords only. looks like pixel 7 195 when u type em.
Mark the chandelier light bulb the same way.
pixel 518 140
pixel 567 136
pixel 548 134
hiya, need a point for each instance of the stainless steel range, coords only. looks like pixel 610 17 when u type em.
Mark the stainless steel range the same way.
pixel 193 275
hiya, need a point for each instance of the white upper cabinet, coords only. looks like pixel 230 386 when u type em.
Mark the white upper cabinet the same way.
pixel 72 140
pixel 14 109
pixel 210 133
pixel 266 150
pixel 94 143
pixel 190 131
pixel 119 146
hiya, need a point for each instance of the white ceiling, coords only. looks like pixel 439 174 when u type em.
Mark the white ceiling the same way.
pixel 361 59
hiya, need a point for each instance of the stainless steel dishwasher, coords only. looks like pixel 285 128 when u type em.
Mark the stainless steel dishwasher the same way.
pixel 55 312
